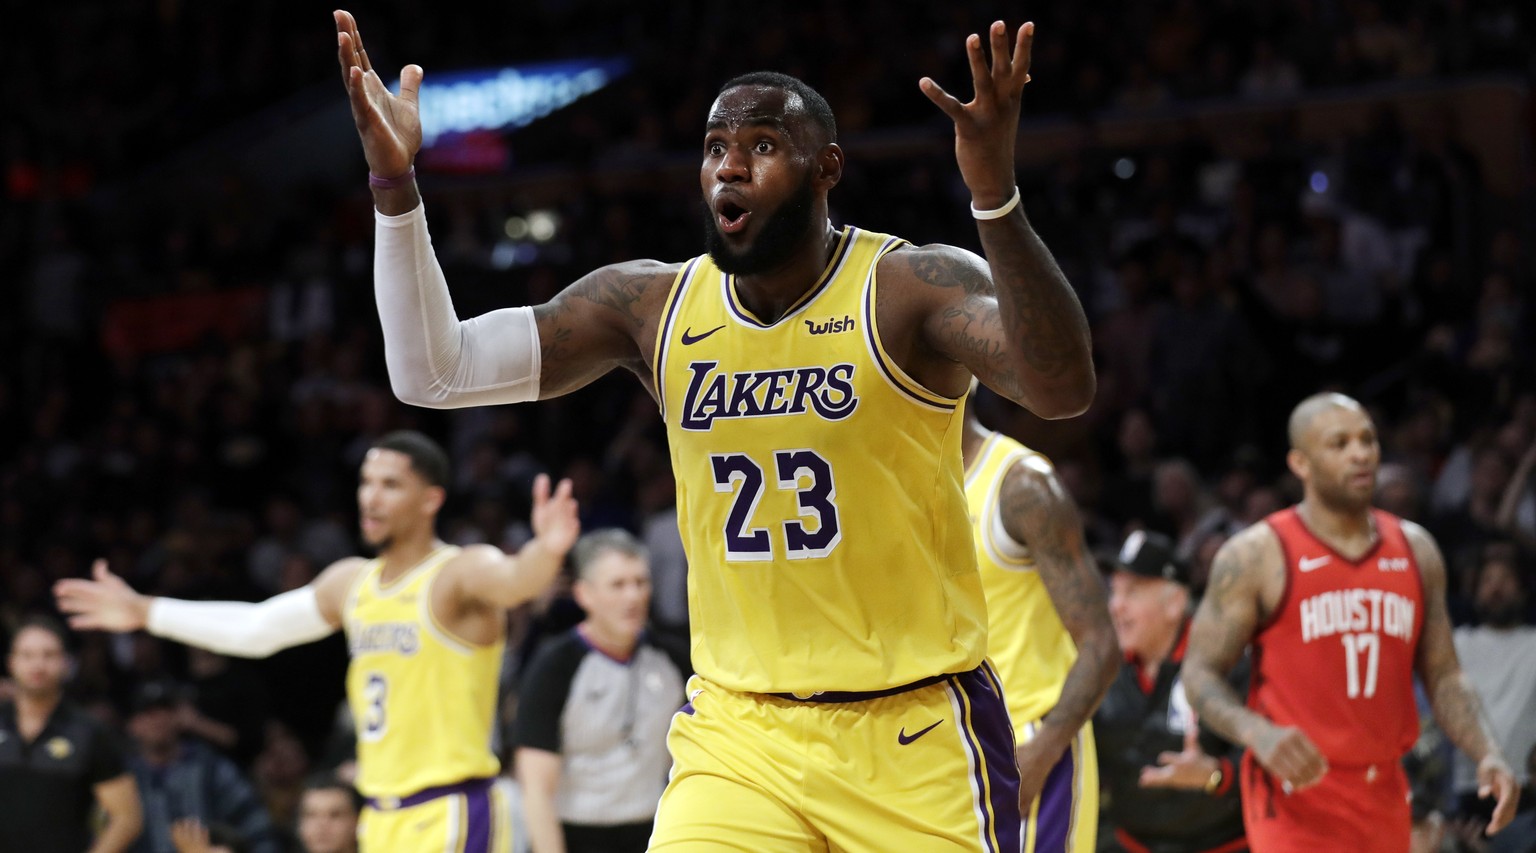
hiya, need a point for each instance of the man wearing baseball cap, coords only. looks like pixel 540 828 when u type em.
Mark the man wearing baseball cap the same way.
pixel 1169 786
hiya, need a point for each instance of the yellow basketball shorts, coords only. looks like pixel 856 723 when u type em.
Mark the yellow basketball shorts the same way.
pixel 1065 817
pixel 931 768
pixel 469 817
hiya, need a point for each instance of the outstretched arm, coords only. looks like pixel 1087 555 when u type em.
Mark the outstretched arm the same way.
pixel 1017 325
pixel 1225 623
pixel 1036 510
pixel 506 356
pixel 1451 696
pixel 486 576
pixel 236 628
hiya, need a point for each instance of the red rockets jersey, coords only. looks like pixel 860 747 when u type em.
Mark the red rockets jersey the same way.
pixel 1336 659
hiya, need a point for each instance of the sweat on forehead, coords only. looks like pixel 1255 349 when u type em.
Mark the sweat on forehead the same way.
pixel 749 105
pixel 1307 411
pixel 769 95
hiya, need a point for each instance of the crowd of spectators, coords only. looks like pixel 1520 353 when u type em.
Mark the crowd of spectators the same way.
pixel 192 375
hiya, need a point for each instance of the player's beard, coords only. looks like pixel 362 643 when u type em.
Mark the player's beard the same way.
pixel 783 233
pixel 1340 498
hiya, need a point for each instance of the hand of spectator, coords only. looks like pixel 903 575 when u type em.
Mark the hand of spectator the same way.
pixel 190 836
pixel 554 518
pixel 1290 755
pixel 1189 769
pixel 1495 779
pixel 986 128
pixel 104 603
pixel 389 125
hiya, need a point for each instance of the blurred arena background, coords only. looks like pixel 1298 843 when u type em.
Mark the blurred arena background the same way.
pixel 1255 200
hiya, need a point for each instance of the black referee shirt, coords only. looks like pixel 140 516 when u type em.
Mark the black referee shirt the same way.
pixel 47 786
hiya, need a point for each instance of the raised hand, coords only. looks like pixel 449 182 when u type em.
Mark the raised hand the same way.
pixel 1291 756
pixel 104 603
pixel 388 125
pixel 554 518
pixel 985 128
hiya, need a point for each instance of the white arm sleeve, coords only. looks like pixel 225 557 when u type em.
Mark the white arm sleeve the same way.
pixel 434 359
pixel 240 629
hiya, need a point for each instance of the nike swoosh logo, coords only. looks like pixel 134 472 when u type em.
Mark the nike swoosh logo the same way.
pixel 1313 564
pixel 903 738
pixel 690 338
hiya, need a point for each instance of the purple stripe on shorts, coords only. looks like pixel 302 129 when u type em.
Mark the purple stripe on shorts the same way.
pixel 993 734
pixel 477 834
pixel 1053 826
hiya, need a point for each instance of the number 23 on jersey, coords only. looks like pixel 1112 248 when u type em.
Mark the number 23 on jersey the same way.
pixel 813 534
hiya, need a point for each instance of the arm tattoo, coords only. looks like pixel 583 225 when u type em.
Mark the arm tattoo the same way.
pixel 593 326
pixel 1037 302
pixel 1223 626
pixel 944 271
pixel 1452 698
pixel 619 292
pixel 1012 318
pixel 1037 511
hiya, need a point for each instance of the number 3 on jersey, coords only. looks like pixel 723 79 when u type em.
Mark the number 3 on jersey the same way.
pixel 375 692
pixel 804 472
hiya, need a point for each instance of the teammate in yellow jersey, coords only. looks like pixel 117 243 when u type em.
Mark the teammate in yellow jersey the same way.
pixel 811 379
pixel 1049 632
pixel 426 626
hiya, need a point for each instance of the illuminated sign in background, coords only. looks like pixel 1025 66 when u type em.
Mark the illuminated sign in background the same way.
pixel 463 102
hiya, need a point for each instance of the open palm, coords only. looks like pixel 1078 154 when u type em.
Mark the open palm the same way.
pixel 554 519
pixel 103 603
pixel 389 125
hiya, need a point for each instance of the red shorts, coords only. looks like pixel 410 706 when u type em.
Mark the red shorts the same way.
pixel 1363 809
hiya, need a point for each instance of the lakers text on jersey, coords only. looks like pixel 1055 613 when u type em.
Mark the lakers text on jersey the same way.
pixel 819 489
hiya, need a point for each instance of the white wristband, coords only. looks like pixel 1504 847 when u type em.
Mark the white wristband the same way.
pixel 1000 212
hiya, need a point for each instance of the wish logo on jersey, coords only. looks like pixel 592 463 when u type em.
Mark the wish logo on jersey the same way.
pixel 831 326
pixel 402 638
pixel 714 394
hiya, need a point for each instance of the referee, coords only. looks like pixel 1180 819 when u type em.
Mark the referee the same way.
pixel 594 709
pixel 56 761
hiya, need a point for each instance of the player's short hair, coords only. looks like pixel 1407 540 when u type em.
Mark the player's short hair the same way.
pixel 1307 410
pixel 332 782
pixel 816 107
pixel 41 622
pixel 427 456
pixel 592 546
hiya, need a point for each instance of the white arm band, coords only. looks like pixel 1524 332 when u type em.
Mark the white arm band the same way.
pixel 240 629
pixel 435 360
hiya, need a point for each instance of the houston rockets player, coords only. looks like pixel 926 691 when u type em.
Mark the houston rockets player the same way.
pixel 1343 604
pixel 811 379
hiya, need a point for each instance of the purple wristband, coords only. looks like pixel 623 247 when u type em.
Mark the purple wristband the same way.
pixel 392 183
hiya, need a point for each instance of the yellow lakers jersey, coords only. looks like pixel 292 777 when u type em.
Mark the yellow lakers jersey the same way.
pixel 422 700
pixel 1030 647
pixel 818 489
